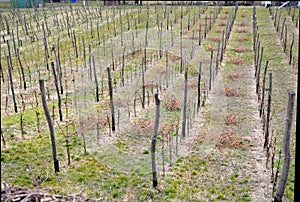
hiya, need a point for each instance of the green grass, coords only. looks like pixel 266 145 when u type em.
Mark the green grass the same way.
pixel 104 171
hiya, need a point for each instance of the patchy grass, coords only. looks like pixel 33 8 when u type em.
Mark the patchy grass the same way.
pixel 198 176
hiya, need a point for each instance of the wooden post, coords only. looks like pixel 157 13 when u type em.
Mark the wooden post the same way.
pixel 258 74
pixel 46 48
pixel 154 137
pixel 183 129
pixel 167 69
pixel 111 100
pixel 132 42
pixel 58 66
pixel 181 56
pixel 170 147
pixel 254 29
pixel 282 29
pixel 96 79
pixel 257 57
pixel 261 110
pixel 297 140
pixel 22 69
pixel 143 84
pixel 90 71
pixel 199 33
pixel 266 143
pixel 57 91
pixel 50 125
pixel 223 46
pixel 218 57
pixel 205 29
pixel 210 69
pixel 14 42
pixel 160 41
pixel 285 39
pixel 286 149
pixel 1 132
pixel 123 66
pixel 12 84
pixel 277 25
pixel 291 49
pixel 199 89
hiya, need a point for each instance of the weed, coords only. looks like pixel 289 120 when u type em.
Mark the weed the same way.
pixel 220 196
pixel 174 57
pixel 146 152
pixel 237 61
pixel 240 49
pixel 222 24
pixel 171 103
pixel 242 24
pixel 219 30
pixel 241 39
pixel 230 92
pixel 230 120
pixel 215 38
pixel 242 30
pixel 144 124
pixel 211 48
pixel 234 76
pixel 227 140
pixel 192 84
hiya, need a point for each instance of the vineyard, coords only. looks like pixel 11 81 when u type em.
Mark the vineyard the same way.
pixel 161 102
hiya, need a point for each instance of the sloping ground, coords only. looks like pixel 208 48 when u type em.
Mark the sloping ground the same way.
pixel 235 169
pixel 284 81
pixel 228 162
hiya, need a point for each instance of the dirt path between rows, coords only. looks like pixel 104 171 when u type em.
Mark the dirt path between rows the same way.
pixel 243 153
